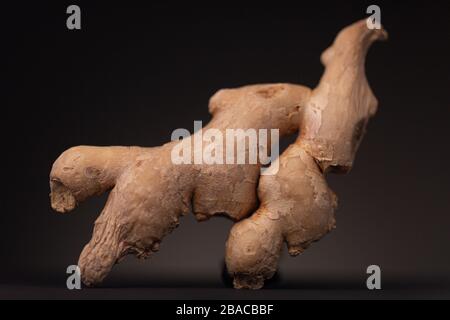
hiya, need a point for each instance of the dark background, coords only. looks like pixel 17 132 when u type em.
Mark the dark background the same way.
pixel 137 71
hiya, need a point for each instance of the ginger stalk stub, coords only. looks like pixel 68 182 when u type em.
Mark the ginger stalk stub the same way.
pixel 334 121
pixel 297 207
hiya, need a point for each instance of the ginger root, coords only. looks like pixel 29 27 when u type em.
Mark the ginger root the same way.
pixel 297 207
pixel 149 193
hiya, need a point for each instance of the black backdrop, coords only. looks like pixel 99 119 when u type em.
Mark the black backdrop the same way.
pixel 137 71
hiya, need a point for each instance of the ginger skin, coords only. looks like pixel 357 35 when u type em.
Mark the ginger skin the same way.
pixel 149 193
pixel 297 207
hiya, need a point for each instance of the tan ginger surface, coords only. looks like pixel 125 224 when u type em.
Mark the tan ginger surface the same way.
pixel 149 193
pixel 297 207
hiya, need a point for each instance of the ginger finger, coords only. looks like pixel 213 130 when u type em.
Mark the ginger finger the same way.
pixel 82 172
pixel 297 207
